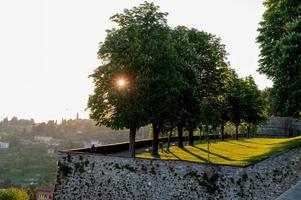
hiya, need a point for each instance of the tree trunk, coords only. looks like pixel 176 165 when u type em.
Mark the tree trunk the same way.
pixel 236 132
pixel 180 136
pixel 169 140
pixel 201 131
pixel 155 139
pixel 132 142
pixel 248 128
pixel 190 137
pixel 222 131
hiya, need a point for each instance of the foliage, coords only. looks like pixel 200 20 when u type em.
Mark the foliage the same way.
pixel 236 96
pixel 243 102
pixel 139 50
pixel 187 115
pixel 279 39
pixel 225 152
pixel 28 161
pixel 13 194
pixel 201 65
pixel 221 107
pixel 213 75
pixel 268 96
pixel 175 77
pixel 255 111
pixel 211 67
pixel 25 164
pixel 31 191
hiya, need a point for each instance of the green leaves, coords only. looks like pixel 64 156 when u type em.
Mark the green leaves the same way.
pixel 243 102
pixel 201 62
pixel 279 39
pixel 13 194
pixel 140 50
pixel 255 110
pixel 173 77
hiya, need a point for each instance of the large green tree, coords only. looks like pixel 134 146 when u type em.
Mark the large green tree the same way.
pixel 160 78
pixel 140 53
pixel 221 102
pixel 201 63
pixel 188 112
pixel 280 55
pixel 244 102
pixel 212 71
pixel 236 95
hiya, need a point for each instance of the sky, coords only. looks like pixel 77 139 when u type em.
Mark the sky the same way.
pixel 48 48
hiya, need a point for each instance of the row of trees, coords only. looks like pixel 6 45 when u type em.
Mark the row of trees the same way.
pixel 169 78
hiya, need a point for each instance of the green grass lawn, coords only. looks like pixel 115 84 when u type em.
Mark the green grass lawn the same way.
pixel 230 152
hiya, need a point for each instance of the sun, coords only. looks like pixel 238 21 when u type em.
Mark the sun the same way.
pixel 121 82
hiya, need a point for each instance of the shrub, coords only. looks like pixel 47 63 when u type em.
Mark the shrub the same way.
pixel 13 194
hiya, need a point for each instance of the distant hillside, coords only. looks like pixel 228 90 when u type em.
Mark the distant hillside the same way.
pixel 31 156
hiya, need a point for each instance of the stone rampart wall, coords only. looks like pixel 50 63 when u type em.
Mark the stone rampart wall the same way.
pixel 97 176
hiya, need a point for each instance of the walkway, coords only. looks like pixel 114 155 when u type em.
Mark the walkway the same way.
pixel 292 194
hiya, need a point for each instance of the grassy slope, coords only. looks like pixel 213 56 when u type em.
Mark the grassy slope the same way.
pixel 230 152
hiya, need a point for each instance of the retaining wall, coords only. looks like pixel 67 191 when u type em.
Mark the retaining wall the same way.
pixel 281 127
pixel 83 175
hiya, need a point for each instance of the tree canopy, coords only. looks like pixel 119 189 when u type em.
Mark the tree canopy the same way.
pixel 280 55
pixel 140 52
pixel 255 110
pixel 167 77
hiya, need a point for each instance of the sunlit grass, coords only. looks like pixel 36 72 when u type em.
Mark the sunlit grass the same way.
pixel 230 152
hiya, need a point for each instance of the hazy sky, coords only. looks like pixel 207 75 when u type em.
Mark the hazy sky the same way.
pixel 48 48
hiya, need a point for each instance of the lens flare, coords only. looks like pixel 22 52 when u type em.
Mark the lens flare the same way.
pixel 121 82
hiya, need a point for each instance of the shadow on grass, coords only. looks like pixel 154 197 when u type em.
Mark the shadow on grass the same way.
pixel 221 149
pixel 156 156
pixel 277 148
pixel 195 155
pixel 256 143
pixel 274 150
pixel 215 154
pixel 163 153
pixel 241 144
pixel 174 155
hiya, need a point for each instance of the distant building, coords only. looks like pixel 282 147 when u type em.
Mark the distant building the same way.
pixel 44 193
pixel 4 145
pixel 43 139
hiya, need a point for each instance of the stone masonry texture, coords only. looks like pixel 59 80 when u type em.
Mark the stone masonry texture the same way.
pixel 97 176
